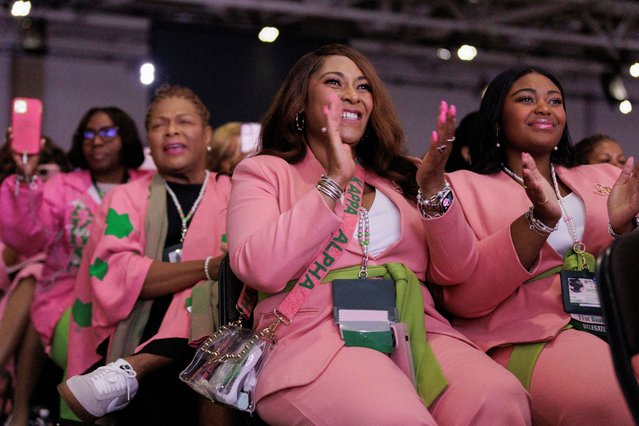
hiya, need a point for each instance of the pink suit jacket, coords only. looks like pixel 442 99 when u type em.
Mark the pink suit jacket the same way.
pixel 493 303
pixel 277 223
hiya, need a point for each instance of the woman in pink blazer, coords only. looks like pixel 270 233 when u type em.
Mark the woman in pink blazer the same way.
pixel 524 214
pixel 332 112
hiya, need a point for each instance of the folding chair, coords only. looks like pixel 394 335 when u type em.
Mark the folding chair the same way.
pixel 618 279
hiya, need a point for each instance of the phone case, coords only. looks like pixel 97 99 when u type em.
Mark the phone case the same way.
pixel 26 124
pixel 402 355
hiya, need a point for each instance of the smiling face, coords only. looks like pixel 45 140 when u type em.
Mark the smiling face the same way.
pixel 178 138
pixel 339 75
pixel 533 117
pixel 101 151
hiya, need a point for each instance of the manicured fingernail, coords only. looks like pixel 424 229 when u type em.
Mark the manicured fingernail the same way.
pixel 442 117
pixel 434 136
pixel 443 105
pixel 325 109
pixel 453 111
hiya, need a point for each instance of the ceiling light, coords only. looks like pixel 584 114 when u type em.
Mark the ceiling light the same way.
pixel 614 88
pixel 268 34
pixel 625 107
pixel 634 70
pixel 147 73
pixel 21 8
pixel 467 52
pixel 443 54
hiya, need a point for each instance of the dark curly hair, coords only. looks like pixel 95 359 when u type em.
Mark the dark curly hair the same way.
pixel 382 149
pixel 132 152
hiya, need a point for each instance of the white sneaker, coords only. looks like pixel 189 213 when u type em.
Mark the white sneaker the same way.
pixel 96 394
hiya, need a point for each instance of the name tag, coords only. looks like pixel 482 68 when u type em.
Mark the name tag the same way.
pixel 580 292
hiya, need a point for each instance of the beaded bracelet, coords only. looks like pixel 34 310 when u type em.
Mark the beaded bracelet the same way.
pixel 612 232
pixel 206 268
pixel 438 203
pixel 538 226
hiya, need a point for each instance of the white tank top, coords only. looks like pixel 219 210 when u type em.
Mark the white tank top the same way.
pixel 384 224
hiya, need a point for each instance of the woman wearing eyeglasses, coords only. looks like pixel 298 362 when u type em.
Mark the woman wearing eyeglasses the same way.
pixel 55 216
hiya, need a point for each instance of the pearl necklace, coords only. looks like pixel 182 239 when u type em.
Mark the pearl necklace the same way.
pixel 513 175
pixel 578 246
pixel 364 238
pixel 178 206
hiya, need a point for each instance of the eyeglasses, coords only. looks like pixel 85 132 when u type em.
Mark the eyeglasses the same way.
pixel 106 133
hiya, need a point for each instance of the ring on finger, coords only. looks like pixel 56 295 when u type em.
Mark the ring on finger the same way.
pixel 441 148
pixel 451 139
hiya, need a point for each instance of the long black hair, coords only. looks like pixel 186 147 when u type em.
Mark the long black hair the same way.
pixel 486 156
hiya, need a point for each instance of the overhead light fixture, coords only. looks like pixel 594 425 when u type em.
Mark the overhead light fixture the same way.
pixel 20 8
pixel 625 107
pixel 466 52
pixel 147 73
pixel 634 70
pixel 268 34
pixel 443 54
pixel 613 87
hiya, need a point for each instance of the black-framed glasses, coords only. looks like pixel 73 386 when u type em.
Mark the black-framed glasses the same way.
pixel 106 133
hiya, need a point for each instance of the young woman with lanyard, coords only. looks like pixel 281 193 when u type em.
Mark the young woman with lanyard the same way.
pixel 153 241
pixel 528 295
pixel 331 131
pixel 54 217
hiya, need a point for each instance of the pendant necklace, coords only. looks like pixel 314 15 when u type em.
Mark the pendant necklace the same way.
pixel 178 206
pixel 578 246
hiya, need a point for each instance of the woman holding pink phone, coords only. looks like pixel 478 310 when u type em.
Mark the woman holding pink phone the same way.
pixel 55 216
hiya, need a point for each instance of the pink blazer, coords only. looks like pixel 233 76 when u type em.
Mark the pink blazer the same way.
pixel 277 223
pixel 493 304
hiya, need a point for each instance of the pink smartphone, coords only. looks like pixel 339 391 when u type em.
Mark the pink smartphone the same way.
pixel 402 355
pixel 26 124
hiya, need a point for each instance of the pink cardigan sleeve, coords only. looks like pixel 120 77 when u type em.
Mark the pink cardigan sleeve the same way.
pixel 475 274
pixel 114 257
pixel 31 217
pixel 276 223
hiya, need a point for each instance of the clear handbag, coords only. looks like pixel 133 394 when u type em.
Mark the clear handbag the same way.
pixel 226 366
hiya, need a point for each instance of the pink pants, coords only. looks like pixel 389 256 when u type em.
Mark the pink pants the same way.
pixel 574 383
pixel 362 386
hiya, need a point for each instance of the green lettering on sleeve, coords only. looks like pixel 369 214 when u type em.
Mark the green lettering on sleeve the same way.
pixel 118 225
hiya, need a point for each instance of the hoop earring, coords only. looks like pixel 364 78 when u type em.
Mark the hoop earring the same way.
pixel 299 122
